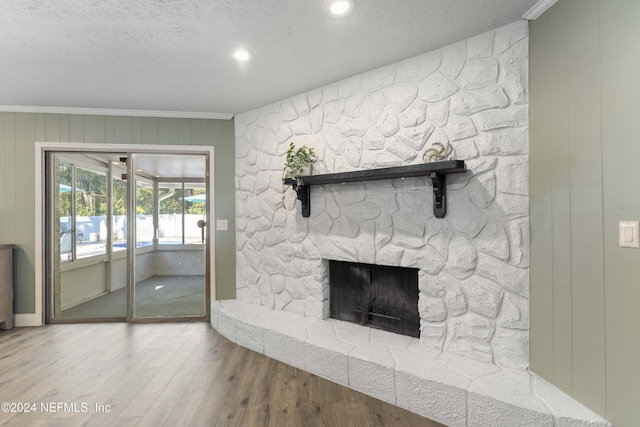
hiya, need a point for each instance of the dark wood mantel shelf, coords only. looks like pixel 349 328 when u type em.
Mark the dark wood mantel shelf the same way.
pixel 438 172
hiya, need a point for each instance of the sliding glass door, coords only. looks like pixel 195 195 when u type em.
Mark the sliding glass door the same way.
pixel 127 237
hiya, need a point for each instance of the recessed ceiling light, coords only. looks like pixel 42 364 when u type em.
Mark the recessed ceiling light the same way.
pixel 340 7
pixel 241 54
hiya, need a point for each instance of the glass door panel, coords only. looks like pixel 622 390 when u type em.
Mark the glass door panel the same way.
pixel 86 283
pixel 170 269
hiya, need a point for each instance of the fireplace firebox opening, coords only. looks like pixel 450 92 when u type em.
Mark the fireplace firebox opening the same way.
pixel 378 296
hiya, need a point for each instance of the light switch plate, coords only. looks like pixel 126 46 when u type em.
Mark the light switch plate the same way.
pixel 222 224
pixel 629 234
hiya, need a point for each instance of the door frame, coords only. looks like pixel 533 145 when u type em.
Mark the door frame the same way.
pixel 41 148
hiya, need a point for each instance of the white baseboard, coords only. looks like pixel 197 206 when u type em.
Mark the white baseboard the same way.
pixel 24 320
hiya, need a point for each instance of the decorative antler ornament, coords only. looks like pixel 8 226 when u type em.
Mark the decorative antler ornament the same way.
pixel 437 152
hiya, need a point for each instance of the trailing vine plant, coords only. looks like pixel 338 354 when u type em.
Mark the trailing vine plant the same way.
pixel 297 160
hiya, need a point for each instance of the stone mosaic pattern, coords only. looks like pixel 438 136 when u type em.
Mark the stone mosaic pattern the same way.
pixel 474 281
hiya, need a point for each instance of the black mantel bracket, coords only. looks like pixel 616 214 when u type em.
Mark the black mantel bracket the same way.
pixel 438 172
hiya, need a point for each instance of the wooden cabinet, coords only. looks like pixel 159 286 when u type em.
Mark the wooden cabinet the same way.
pixel 6 286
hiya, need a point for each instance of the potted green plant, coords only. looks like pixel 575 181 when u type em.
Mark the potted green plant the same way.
pixel 298 160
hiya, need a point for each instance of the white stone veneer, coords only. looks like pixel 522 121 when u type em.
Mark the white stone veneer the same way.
pixel 470 365
pixel 473 263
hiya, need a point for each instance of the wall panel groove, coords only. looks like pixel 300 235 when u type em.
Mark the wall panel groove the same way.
pixel 584 175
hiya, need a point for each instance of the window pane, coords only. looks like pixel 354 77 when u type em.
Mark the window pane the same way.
pixel 119 229
pixel 91 213
pixel 170 214
pixel 182 206
pixel 195 209
pixel 144 213
pixel 64 201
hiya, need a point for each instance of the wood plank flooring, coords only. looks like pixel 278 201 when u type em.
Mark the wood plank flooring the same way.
pixel 169 374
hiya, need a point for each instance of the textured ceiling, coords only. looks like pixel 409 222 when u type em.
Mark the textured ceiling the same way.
pixel 175 55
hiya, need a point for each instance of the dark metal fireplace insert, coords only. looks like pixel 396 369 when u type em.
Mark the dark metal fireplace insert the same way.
pixel 378 296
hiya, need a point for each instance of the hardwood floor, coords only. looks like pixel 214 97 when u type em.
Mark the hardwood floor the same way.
pixel 170 374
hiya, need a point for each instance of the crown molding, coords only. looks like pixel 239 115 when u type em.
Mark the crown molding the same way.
pixel 538 9
pixel 114 112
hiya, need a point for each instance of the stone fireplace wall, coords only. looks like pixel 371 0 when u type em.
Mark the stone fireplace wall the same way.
pixel 473 279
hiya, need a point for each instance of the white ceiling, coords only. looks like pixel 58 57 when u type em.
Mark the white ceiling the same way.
pixel 163 166
pixel 175 55
pixel 172 165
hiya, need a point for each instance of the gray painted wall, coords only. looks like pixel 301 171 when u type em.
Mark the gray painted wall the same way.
pixel 584 118
pixel 20 131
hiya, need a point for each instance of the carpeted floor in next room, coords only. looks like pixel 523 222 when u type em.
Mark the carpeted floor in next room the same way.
pixel 159 296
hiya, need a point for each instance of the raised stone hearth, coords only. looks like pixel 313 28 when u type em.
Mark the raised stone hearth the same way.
pixel 400 370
